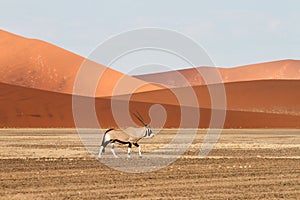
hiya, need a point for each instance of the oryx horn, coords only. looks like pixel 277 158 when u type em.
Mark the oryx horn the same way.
pixel 139 117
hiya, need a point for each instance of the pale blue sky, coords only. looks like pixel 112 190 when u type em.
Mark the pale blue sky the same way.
pixel 232 32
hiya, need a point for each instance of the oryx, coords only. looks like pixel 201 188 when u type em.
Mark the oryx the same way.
pixel 130 136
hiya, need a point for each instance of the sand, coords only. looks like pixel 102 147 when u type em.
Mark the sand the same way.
pixel 37 80
pixel 245 164
pixel 37 64
pixel 276 107
pixel 276 70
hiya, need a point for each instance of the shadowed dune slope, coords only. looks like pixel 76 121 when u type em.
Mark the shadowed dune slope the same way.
pixel 27 107
pixel 264 96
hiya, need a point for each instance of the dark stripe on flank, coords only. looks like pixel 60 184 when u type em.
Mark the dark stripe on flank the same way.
pixel 119 141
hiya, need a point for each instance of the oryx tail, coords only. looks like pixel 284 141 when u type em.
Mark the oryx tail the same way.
pixel 103 139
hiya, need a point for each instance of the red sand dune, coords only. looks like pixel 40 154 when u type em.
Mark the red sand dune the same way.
pixel 264 96
pixel 277 70
pixel 283 69
pixel 37 80
pixel 27 107
pixel 37 64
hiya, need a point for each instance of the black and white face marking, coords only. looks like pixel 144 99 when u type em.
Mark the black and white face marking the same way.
pixel 148 132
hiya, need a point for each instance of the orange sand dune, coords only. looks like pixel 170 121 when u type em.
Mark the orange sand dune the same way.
pixel 37 64
pixel 264 96
pixel 27 107
pixel 37 81
pixel 284 69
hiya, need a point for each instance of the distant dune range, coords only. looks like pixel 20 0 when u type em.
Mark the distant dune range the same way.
pixel 37 81
pixel 276 70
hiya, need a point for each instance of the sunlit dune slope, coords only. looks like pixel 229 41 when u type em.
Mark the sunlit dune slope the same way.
pixel 276 70
pixel 37 64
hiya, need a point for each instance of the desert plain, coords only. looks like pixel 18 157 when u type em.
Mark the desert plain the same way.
pixel 244 164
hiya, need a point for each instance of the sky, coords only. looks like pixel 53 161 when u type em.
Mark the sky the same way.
pixel 233 33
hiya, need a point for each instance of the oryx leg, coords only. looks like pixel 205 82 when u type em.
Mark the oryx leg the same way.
pixel 137 145
pixel 102 148
pixel 129 149
pixel 113 150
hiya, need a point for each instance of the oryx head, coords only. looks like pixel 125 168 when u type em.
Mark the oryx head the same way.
pixel 148 131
